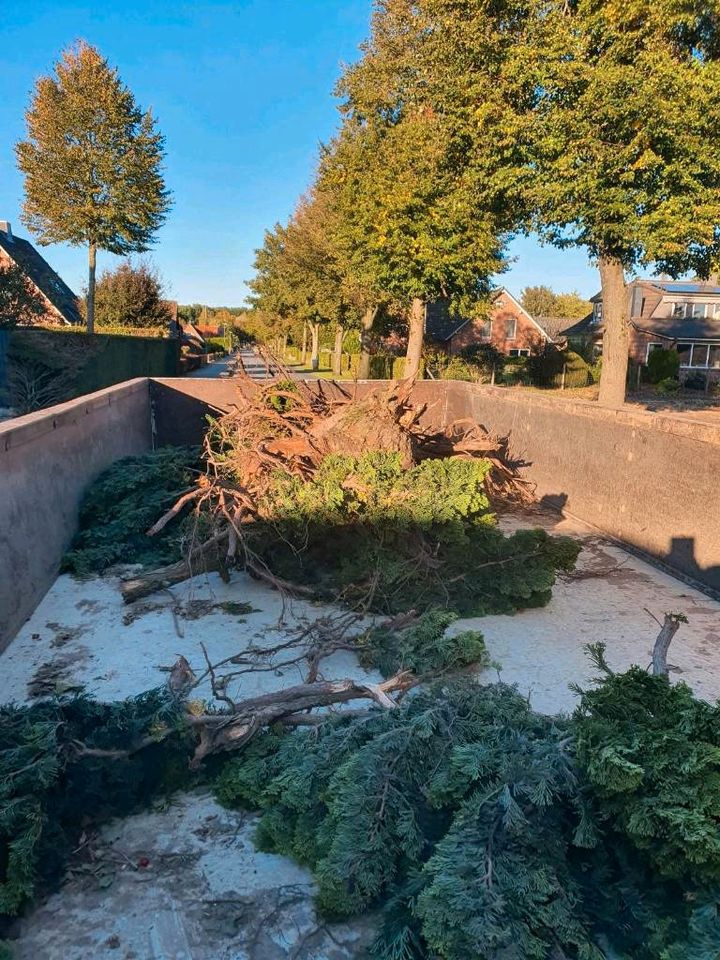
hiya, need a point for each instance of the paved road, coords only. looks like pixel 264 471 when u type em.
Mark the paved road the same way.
pixel 220 368
pixel 254 366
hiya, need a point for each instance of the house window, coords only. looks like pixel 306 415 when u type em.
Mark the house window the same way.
pixel 678 310
pixel 651 347
pixel 597 313
pixel 638 302
pixel 486 329
pixel 696 310
pixel 699 355
pixel 685 351
pixel 511 328
pixel 518 353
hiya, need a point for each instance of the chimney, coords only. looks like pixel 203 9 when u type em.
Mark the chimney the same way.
pixel 6 228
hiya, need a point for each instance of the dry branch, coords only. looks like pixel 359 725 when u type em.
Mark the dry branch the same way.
pixel 231 731
pixel 670 626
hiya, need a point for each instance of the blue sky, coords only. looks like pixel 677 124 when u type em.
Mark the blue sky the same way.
pixel 243 93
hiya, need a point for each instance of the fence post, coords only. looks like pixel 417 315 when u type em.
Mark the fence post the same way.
pixel 639 377
pixel 562 379
pixel 492 376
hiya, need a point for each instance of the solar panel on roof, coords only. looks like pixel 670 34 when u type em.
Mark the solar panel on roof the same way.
pixel 680 287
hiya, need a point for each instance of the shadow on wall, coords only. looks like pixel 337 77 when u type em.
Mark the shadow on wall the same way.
pixel 681 556
pixel 179 417
pixel 554 502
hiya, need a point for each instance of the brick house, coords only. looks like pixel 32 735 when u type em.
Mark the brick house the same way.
pixel 683 315
pixel 509 328
pixel 62 307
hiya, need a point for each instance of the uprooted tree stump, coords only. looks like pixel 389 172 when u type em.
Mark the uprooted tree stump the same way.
pixel 287 428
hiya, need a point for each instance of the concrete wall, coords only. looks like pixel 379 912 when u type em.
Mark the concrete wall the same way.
pixel 47 460
pixel 648 479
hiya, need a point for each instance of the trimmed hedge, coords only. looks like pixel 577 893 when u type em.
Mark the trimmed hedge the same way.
pixel 51 366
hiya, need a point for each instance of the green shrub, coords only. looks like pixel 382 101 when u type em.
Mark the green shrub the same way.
pixel 485 356
pixel 668 385
pixel 696 381
pixel 351 342
pixel 517 371
pixel 216 344
pixel 386 366
pixel 459 369
pixel 546 369
pixel 663 365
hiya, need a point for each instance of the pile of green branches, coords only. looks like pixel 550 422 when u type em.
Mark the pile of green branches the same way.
pixel 476 826
pixel 424 646
pixel 372 531
pixel 120 506
pixel 59 772
pixel 482 829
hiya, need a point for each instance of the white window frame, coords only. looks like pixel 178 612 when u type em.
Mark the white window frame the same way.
pixel 690 313
pixel 674 309
pixel 486 329
pixel 513 321
pixel 706 348
pixel 519 352
pixel 597 312
pixel 691 365
pixel 692 343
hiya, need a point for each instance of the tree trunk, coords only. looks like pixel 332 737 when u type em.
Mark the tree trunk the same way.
pixel 615 338
pixel 92 253
pixel 416 335
pixel 366 325
pixel 303 356
pixel 337 351
pixel 315 349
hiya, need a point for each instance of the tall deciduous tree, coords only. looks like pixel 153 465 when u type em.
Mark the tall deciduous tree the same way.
pixel 421 211
pixel 624 131
pixel 299 275
pixel 542 301
pixel 92 162
pixel 539 301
